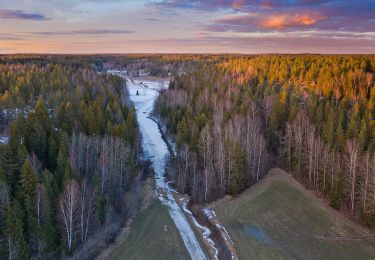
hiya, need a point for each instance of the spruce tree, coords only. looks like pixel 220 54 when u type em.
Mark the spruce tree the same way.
pixel 339 138
pixel 14 232
pixel 329 129
pixel 25 195
pixel 27 184
pixel 363 135
pixel 15 154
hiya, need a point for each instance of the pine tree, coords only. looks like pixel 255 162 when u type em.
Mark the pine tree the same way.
pixel 39 129
pixel 339 138
pixel 237 181
pixel 329 129
pixel 62 160
pixel 26 186
pixel 2 174
pixel 41 113
pixel 25 195
pixel 52 151
pixel 51 231
pixel 363 135
pixel 16 244
pixel 4 200
pixel 275 120
pixel 352 127
pixel 15 154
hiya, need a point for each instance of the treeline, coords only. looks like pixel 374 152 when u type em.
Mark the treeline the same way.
pixel 342 170
pixel 313 113
pixel 71 160
pixel 160 65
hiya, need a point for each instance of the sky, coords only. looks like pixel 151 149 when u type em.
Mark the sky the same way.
pixel 187 26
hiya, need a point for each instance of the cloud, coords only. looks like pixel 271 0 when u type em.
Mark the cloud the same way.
pixel 196 4
pixel 9 37
pixel 264 43
pixel 243 5
pixel 152 19
pixel 285 42
pixel 259 22
pixel 272 15
pixel 85 32
pixel 21 15
pixel 289 21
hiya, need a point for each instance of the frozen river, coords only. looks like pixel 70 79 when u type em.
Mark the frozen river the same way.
pixel 154 147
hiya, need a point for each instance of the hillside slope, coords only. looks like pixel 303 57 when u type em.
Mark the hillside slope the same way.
pixel 152 235
pixel 278 219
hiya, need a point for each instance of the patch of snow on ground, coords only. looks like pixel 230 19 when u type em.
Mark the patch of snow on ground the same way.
pixel 210 213
pixel 226 237
pixel 206 231
pixel 4 139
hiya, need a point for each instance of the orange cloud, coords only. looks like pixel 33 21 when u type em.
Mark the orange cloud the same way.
pixel 285 21
pixel 305 19
pixel 277 22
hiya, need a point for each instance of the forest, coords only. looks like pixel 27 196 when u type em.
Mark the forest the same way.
pixel 71 167
pixel 312 115
pixel 71 163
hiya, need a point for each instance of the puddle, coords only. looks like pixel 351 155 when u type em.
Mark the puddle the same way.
pixel 261 236
pixel 258 234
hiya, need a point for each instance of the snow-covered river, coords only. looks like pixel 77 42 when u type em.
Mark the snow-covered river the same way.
pixel 143 95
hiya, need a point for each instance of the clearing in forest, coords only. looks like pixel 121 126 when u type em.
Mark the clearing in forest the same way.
pixel 279 219
pixel 152 235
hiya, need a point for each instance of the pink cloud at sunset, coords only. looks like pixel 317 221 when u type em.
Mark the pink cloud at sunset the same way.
pixel 173 25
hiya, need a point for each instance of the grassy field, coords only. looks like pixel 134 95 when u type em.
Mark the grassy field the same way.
pixel 278 219
pixel 147 238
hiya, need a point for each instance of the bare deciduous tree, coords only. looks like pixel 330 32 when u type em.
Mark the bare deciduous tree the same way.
pixel 41 207
pixel 69 211
pixel 352 148
pixel 108 156
pixel 87 199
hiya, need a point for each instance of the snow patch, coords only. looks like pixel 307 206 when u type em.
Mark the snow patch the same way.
pixel 210 213
pixel 4 139
pixel 226 237
pixel 206 232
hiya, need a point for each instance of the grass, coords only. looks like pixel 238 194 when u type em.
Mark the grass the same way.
pixel 278 219
pixel 147 238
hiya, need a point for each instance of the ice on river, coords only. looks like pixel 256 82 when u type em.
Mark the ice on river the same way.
pixel 156 148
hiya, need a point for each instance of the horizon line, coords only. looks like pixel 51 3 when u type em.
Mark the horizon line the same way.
pixel 181 53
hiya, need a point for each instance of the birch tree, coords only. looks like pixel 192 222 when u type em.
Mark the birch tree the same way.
pixel 352 148
pixel 206 142
pixel 41 207
pixel 87 197
pixel 69 211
